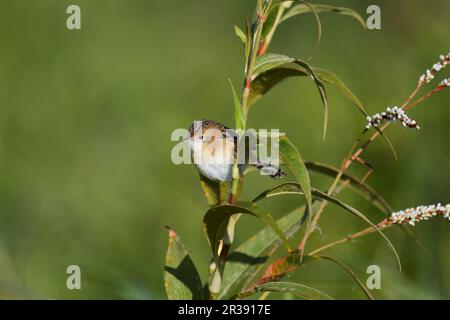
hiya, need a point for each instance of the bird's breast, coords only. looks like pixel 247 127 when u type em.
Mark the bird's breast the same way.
pixel 217 160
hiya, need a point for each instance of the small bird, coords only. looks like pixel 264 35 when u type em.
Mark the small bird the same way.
pixel 214 150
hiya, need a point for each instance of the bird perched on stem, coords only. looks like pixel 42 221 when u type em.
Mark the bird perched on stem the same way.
pixel 214 150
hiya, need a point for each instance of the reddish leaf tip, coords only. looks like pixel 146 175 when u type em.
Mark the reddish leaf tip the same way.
pixel 172 233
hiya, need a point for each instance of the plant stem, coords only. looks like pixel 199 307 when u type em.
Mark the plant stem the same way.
pixel 413 94
pixel 252 59
pixel 266 41
pixel 236 177
pixel 422 99
pixel 354 155
pixel 382 225
pixel 246 92
pixel 335 186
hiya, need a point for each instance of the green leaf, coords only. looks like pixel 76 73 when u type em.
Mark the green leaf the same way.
pixel 275 72
pixel 389 143
pixel 270 21
pixel 302 8
pixel 270 61
pixel 269 79
pixel 362 188
pixel 216 193
pixel 238 113
pixel 282 266
pixel 351 273
pixel 251 256
pixel 240 34
pixel 181 278
pixel 290 263
pixel 359 215
pixel 329 77
pixel 296 289
pixel 295 188
pixel 275 17
pixel 249 36
pixel 292 158
pixel 216 220
pixel 246 39
pixel 322 92
pixel 319 26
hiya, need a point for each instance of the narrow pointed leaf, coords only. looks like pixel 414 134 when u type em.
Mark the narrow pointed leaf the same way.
pixel 249 36
pixel 181 278
pixel 216 220
pixel 274 69
pixel 364 189
pixel 302 8
pixel 295 188
pixel 270 21
pixel 296 289
pixel 351 273
pixel 318 23
pixel 270 61
pixel 240 34
pixel 290 263
pixel 329 77
pixel 252 255
pixel 322 92
pixel 282 266
pixel 265 81
pixel 216 193
pixel 269 79
pixel 292 158
pixel 388 141
pixel 238 113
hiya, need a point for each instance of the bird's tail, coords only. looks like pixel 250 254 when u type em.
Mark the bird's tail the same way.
pixel 269 169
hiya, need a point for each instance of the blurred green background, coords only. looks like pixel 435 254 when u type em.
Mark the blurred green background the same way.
pixel 85 123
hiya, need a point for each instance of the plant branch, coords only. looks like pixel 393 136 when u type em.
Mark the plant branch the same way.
pixel 353 155
pixel 236 177
pixel 252 59
pixel 268 39
pixel 382 225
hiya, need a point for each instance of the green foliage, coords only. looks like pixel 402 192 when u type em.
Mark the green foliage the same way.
pixel 239 33
pixel 215 192
pixel 291 157
pixel 249 258
pixel 305 8
pixel 297 289
pixel 216 221
pixel 265 72
pixel 82 113
pixel 330 78
pixel 249 269
pixel 351 273
pixel 271 61
pixel 238 112
pixel 269 79
pixel 356 184
pixel 292 262
pixel 271 20
pixel 294 188
pixel 181 278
